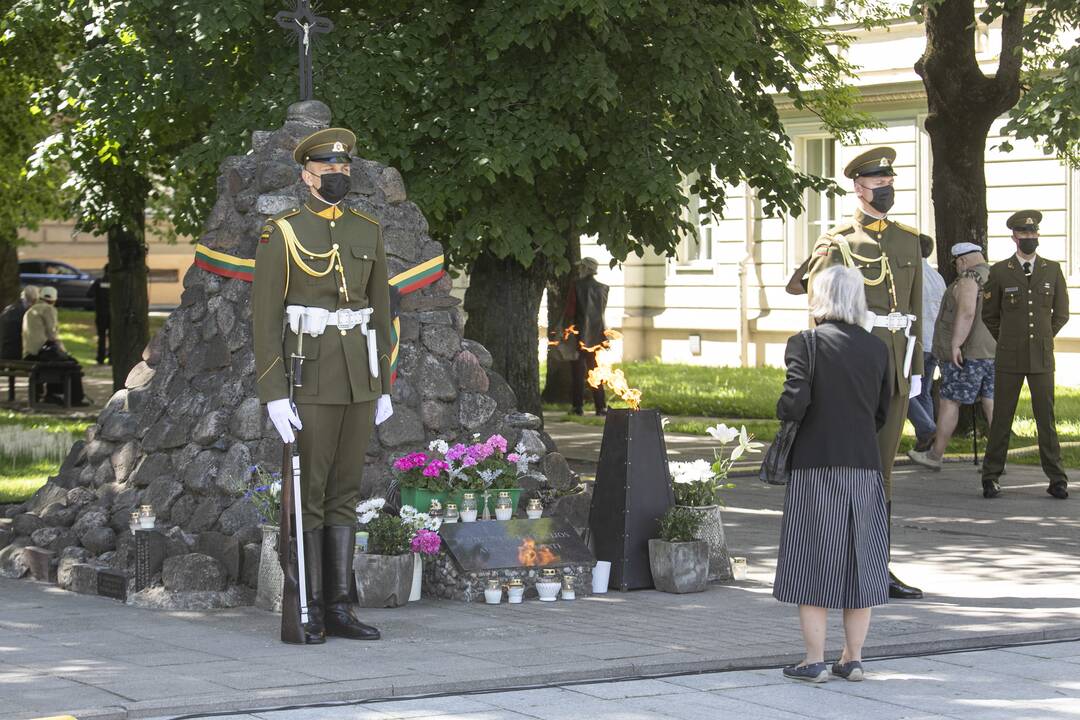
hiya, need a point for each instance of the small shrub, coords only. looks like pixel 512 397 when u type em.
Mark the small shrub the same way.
pixel 679 524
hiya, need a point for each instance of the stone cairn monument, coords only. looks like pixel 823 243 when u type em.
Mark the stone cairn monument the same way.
pixel 185 432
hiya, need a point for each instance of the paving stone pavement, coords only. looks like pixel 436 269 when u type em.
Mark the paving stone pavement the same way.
pixel 1036 682
pixel 1001 571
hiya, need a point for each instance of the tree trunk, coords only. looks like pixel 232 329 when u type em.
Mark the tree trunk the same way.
pixel 9 271
pixel 129 301
pixel 963 104
pixel 503 303
pixel 558 375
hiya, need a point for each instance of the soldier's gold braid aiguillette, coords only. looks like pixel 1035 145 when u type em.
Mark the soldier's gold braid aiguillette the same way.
pixel 333 255
pixel 886 269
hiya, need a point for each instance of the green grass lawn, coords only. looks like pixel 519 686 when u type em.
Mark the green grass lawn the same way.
pixel 695 397
pixel 79 335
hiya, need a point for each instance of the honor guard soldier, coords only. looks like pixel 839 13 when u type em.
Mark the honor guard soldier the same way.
pixel 321 293
pixel 889 257
pixel 1025 304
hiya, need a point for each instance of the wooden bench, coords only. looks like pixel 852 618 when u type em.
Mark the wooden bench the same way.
pixel 38 372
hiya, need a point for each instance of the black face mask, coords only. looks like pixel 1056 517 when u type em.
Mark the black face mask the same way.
pixel 883 198
pixel 1027 245
pixel 334 187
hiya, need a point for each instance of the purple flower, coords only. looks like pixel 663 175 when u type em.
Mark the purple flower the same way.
pixel 513 457
pixel 426 542
pixel 456 452
pixel 436 467
pixel 497 442
pixel 468 461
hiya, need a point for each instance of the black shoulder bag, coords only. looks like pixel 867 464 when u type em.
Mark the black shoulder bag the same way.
pixel 776 467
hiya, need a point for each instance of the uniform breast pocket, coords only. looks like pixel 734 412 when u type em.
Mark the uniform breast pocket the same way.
pixel 358 268
pixel 1046 296
pixel 1010 299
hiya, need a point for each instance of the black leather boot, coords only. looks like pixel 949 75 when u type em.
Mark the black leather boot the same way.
pixel 899 590
pixel 341 620
pixel 315 628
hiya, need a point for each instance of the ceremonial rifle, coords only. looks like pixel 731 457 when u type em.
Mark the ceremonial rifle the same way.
pixel 294 608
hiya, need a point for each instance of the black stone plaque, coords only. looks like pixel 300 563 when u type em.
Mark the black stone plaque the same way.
pixel 487 545
pixel 149 556
pixel 112 584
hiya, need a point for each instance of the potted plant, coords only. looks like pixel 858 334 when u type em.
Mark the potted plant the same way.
pixel 697 485
pixel 485 468
pixel 679 563
pixel 264 493
pixel 384 573
pixel 422 478
pixel 424 540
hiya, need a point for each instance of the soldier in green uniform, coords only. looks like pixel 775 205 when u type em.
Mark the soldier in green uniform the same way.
pixel 1025 304
pixel 889 256
pixel 320 273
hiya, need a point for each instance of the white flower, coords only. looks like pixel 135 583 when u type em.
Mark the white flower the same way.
pixel 438 445
pixel 433 523
pixel 689 472
pixel 723 433
pixel 664 422
pixel 407 513
pixel 369 510
pixel 737 452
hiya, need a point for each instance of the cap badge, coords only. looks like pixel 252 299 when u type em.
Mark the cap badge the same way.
pixel 339 147
pixel 1029 221
pixel 884 162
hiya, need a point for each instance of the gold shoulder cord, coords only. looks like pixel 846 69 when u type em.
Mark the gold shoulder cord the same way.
pixel 886 269
pixel 292 244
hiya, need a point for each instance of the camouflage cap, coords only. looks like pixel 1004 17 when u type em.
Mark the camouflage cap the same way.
pixel 1024 220
pixel 876 161
pixel 332 145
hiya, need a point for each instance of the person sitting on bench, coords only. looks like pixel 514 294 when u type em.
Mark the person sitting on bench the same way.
pixel 41 343
pixel 11 324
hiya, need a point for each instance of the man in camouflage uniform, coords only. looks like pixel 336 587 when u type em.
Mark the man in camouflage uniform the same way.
pixel 320 272
pixel 1025 304
pixel 889 256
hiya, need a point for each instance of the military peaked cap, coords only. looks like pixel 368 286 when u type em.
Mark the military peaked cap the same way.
pixel 876 161
pixel 332 145
pixel 1024 220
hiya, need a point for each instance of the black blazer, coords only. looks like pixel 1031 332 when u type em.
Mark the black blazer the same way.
pixel 841 415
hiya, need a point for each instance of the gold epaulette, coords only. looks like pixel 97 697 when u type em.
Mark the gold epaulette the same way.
pixel 356 212
pixel 268 228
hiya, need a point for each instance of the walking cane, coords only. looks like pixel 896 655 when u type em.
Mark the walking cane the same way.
pixel 294 606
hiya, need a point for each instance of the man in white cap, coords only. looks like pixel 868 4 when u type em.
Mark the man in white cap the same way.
pixel 965 349
pixel 41 343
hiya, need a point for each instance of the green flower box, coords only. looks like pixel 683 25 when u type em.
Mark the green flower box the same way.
pixel 421 498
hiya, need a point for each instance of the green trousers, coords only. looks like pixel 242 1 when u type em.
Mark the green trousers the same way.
pixel 333 443
pixel 888 437
pixel 1007 387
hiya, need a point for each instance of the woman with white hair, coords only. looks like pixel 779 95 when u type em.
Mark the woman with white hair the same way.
pixel 834 544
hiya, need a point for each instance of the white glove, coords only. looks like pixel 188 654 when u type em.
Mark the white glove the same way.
pixel 868 321
pixel 916 386
pixel 283 414
pixel 383 409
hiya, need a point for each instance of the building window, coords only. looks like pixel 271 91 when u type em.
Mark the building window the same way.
pixel 696 247
pixel 819 158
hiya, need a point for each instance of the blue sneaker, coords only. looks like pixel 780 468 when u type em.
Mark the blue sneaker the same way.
pixel 814 672
pixel 851 671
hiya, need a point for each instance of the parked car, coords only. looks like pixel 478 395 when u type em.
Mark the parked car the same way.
pixel 72 285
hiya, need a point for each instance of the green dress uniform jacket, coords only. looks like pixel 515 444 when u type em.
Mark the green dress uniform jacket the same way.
pixel 335 370
pixel 1025 313
pixel 869 240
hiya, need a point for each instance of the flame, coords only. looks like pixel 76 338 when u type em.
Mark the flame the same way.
pixel 530 555
pixel 604 374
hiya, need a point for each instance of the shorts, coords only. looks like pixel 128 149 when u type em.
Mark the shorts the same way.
pixel 965 385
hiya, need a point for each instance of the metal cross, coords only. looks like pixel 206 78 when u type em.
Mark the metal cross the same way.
pixel 307 26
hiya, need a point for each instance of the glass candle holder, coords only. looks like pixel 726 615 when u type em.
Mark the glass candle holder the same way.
pixel 493 592
pixel 133 522
pixel 568 587
pixel 548 584
pixel 738 568
pixel 534 509
pixel 361 541
pixel 468 507
pixel 146 517
pixel 435 509
pixel 451 515
pixel 504 507
pixel 515 590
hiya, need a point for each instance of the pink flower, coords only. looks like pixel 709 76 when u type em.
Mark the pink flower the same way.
pixel 456 452
pixel 497 442
pixel 513 457
pixel 468 461
pixel 436 467
pixel 479 452
pixel 426 542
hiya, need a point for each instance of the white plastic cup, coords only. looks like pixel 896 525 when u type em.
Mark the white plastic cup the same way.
pixel 600 575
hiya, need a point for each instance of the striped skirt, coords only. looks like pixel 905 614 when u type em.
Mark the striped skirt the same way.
pixel 834 542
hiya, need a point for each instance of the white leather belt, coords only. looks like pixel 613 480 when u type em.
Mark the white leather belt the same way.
pixel 895 322
pixel 316 321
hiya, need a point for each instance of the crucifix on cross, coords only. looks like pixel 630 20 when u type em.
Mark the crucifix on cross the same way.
pixel 306 25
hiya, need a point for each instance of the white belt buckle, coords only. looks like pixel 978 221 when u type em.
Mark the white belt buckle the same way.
pixel 897 321
pixel 348 319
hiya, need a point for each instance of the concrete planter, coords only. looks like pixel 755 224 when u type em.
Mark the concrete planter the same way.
pixel 383 580
pixel 679 567
pixel 712 532
pixel 271 579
